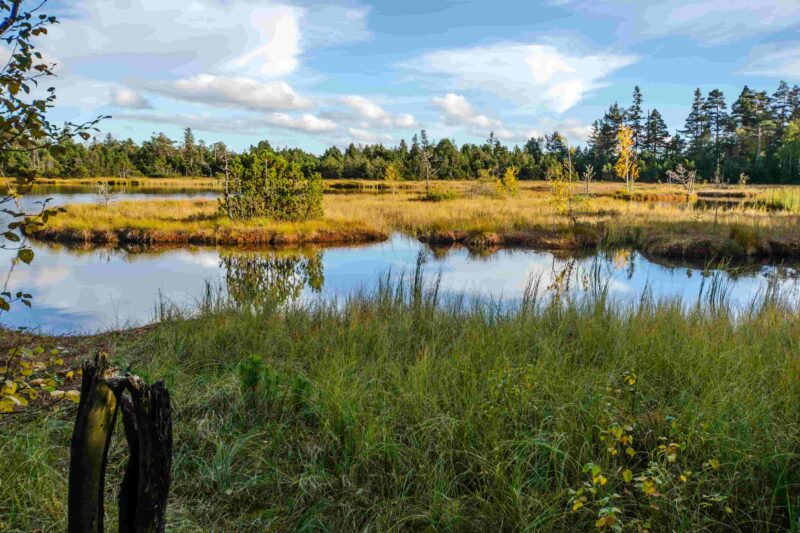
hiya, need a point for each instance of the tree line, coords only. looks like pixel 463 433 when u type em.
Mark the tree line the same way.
pixel 757 138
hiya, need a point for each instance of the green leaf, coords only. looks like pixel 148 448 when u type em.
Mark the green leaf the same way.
pixel 25 255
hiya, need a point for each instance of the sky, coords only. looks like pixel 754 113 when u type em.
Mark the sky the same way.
pixel 313 75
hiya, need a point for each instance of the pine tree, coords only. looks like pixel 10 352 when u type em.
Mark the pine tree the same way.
pixel 696 126
pixel 717 119
pixel 656 135
pixel 781 105
pixel 634 118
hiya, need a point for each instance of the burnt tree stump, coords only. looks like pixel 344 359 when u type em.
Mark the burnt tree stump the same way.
pixel 147 419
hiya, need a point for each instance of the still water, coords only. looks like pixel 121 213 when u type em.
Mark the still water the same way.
pixel 82 291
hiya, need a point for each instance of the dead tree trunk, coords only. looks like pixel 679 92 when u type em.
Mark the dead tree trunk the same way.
pixel 91 438
pixel 147 419
pixel 145 487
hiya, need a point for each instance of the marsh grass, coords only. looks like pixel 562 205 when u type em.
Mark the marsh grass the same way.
pixel 666 228
pixel 400 410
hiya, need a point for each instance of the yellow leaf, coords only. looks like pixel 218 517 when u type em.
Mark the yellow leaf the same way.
pixel 59 361
pixel 10 387
pixel 728 510
pixel 630 451
pixel 577 505
pixel 26 371
pixel 713 463
pixel 6 406
pixel 627 475
pixel 57 394
pixel 70 374
pixel 73 396
pixel 18 400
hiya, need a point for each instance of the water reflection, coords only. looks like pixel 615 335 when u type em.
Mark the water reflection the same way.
pixel 277 276
pixel 81 289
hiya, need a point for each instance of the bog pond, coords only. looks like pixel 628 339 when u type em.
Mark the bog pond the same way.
pixel 86 290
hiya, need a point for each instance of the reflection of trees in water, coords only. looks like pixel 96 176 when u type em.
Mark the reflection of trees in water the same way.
pixel 274 276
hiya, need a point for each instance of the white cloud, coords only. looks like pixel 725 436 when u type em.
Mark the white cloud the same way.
pixel 532 75
pixel 366 108
pixel 707 21
pixel 779 61
pixel 458 111
pixel 150 37
pixel 306 122
pixel 278 42
pixel 242 93
pixel 123 97
pixel 405 121
pixel 576 131
pixel 371 113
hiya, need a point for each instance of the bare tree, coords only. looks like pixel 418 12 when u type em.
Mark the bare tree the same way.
pixel 684 177
pixel 588 176
pixel 104 193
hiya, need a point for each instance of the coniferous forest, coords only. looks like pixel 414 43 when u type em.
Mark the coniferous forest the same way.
pixel 756 136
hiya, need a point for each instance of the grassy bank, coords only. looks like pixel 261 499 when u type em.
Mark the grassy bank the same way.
pixel 391 413
pixel 178 222
pixel 665 228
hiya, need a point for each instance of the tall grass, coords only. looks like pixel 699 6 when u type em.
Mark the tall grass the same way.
pixel 399 410
pixel 782 199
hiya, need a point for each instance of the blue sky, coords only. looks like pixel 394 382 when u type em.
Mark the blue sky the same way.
pixel 316 74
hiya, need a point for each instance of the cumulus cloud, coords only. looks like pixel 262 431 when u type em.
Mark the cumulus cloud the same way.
pixel 372 114
pixel 242 93
pixel 459 111
pixel 123 97
pixel 779 61
pixel 150 37
pixel 405 121
pixel 707 21
pixel 526 74
pixel 366 108
pixel 306 122
pixel 576 131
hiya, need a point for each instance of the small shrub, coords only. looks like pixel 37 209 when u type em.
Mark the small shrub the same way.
pixel 508 183
pixel 439 195
pixel 261 184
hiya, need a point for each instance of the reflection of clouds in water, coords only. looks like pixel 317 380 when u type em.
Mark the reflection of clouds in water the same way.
pixel 204 259
pixel 45 276
pixel 87 291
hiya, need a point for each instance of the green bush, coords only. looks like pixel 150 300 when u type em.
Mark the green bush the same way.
pixel 261 184
pixel 438 195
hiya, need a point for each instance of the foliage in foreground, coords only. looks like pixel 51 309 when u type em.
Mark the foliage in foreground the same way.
pixel 389 412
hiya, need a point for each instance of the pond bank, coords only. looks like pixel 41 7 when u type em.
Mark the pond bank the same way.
pixel 674 231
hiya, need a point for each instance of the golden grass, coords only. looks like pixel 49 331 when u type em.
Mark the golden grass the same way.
pixel 670 228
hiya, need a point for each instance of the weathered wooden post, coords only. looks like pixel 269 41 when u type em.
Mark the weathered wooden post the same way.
pixel 147 420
